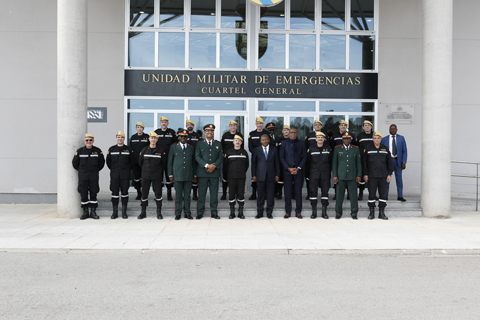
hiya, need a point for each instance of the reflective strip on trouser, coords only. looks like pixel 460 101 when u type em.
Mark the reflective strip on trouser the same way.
pixel 117 185
pixel 324 185
pixel 236 189
pixel 157 189
pixel 381 185
pixel 88 190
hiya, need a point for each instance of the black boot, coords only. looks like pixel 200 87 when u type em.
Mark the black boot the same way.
pixel 360 195
pixel 169 194
pixel 224 195
pixel 254 194
pixel 124 211
pixel 159 210
pixel 85 214
pixel 324 212
pixel 139 194
pixel 93 213
pixel 195 193
pixel 314 209
pixel 381 213
pixel 115 211
pixel 372 213
pixel 143 214
pixel 232 211
pixel 240 210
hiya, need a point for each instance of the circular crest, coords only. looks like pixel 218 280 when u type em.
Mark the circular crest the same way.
pixel 266 3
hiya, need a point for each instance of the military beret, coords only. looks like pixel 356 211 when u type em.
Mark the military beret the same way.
pixel 343 122
pixel 346 135
pixel 139 123
pixel 317 121
pixel 237 137
pixel 162 118
pixel 120 133
pixel 190 121
pixel 153 134
pixel 89 136
pixel 376 133
pixel 209 126
pixel 368 122
pixel 286 127
pixel 259 119
pixel 182 132
pixel 233 122
pixel 320 133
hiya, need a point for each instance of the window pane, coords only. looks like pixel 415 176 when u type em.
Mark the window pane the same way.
pixel 330 124
pixel 202 50
pixel 155 104
pixel 146 118
pixel 171 13
pixel 225 120
pixel 171 49
pixel 203 14
pixel 362 15
pixel 278 121
pixel 273 17
pixel 303 125
pixel 271 51
pixel 233 50
pixel 201 121
pixel 362 52
pixel 217 105
pixel 355 123
pixel 333 15
pixel 293 106
pixel 233 14
pixel 141 49
pixel 302 51
pixel 141 13
pixel 332 52
pixel 347 106
pixel 175 120
pixel 302 14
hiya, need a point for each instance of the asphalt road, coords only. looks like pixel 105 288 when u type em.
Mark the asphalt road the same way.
pixel 234 285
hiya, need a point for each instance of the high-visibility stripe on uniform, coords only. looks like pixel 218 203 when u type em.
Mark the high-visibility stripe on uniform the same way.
pixel 237 156
pixel 152 156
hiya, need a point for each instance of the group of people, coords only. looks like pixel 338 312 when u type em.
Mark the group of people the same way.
pixel 189 163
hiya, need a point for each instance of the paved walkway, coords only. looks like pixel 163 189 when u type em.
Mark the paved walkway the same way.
pixel 34 227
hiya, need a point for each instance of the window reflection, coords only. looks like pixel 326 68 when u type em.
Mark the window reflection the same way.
pixel 224 124
pixel 141 49
pixel 302 51
pixel 362 52
pixel 202 50
pixel 233 14
pixel 171 13
pixel 273 17
pixel 304 126
pixel 141 13
pixel 347 106
pixel 330 124
pixel 233 50
pixel 278 121
pixel 171 49
pixel 332 52
pixel 292 106
pixel 217 105
pixel 201 121
pixel 203 14
pixel 142 104
pixel 175 120
pixel 271 51
pixel 333 15
pixel 362 15
pixel 302 14
pixel 355 123
pixel 146 118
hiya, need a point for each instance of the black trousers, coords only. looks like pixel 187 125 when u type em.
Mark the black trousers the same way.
pixel 382 186
pixel 265 188
pixel 362 184
pixel 236 189
pixel 324 183
pixel 293 181
pixel 157 189
pixel 168 184
pixel 86 187
pixel 137 176
pixel 122 185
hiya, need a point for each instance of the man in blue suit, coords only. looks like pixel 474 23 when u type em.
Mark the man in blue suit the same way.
pixel 265 172
pixel 293 157
pixel 398 148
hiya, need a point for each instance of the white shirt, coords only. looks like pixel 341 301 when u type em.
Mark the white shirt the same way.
pixel 263 148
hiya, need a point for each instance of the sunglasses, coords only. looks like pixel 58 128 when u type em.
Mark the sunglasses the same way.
pixel 88 140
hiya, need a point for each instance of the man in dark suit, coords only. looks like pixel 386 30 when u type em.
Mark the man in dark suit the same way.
pixel 293 157
pixel 398 148
pixel 265 171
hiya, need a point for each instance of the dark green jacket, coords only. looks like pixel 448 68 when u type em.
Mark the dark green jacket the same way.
pixel 206 155
pixel 181 164
pixel 346 164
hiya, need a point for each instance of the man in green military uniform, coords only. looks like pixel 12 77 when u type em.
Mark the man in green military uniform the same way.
pixel 181 171
pixel 346 172
pixel 209 157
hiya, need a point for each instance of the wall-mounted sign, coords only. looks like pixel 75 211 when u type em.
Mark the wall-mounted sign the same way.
pixel 400 113
pixel 97 114
pixel 266 3
pixel 251 84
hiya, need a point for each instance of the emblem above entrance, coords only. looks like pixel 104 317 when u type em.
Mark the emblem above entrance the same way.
pixel 266 3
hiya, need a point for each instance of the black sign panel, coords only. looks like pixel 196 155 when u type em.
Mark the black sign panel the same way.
pixel 251 84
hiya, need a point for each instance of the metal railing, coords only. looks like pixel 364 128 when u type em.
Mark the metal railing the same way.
pixel 470 176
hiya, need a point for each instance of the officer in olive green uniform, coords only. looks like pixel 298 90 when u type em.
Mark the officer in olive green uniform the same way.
pixel 346 172
pixel 209 157
pixel 181 171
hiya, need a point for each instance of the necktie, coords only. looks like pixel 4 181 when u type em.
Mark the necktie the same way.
pixel 266 153
pixel 210 144
pixel 394 147
pixel 183 147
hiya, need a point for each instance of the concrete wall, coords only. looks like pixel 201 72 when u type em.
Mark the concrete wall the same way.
pixel 28 36
pixel 28 85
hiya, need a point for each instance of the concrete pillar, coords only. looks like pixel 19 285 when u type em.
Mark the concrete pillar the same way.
pixel 437 107
pixel 71 100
